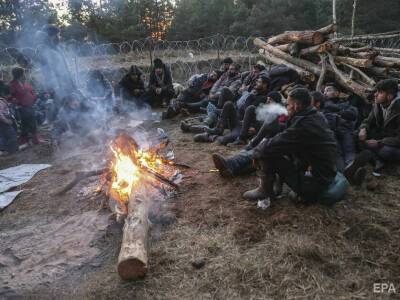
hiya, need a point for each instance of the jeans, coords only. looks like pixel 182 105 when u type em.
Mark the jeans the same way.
pixel 8 138
pixel 241 163
pixel 28 121
pixel 346 148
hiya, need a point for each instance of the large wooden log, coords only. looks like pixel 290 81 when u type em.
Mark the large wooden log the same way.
pixel 331 28
pixel 367 37
pixel 322 48
pixel 356 62
pixel 388 62
pixel 308 66
pixel 304 75
pixel 133 257
pixel 305 37
pixel 348 83
pixel 368 80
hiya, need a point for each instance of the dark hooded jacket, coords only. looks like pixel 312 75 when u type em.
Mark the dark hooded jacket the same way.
pixel 128 86
pixel 309 141
pixel 345 110
pixel 166 82
pixel 385 129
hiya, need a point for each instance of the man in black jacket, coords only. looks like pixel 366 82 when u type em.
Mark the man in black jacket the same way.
pixel 303 155
pixel 161 89
pixel 380 133
pixel 131 87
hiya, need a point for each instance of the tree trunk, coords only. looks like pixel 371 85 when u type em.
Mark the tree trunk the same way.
pixel 331 28
pixel 353 18
pixel 322 48
pixel 133 257
pixel 308 66
pixel 305 37
pixel 356 62
pixel 346 82
pixel 334 19
pixel 304 75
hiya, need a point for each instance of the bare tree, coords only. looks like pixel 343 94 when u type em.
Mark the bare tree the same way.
pixel 353 17
pixel 334 20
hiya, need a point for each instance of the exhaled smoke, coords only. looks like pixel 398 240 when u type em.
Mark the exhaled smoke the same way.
pixel 269 112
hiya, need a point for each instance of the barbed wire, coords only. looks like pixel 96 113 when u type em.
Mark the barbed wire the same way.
pixel 185 58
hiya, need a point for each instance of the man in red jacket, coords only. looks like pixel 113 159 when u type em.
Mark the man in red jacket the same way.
pixel 24 97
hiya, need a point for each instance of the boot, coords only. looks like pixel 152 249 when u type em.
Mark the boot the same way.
pixel 222 165
pixel 217 130
pixel 198 128
pixel 261 192
pixel 354 172
pixel 239 142
pixel 185 127
pixel 169 113
pixel 204 138
pixel 36 139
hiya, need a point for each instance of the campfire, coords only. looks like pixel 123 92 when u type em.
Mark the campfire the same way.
pixel 133 178
pixel 133 169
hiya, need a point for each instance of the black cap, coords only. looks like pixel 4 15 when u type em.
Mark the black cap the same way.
pixel 158 63
pixel 228 60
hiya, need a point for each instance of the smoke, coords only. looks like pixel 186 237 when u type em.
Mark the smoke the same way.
pixel 61 69
pixel 269 112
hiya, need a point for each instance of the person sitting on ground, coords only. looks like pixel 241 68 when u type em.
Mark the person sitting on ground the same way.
pixel 4 88
pixel 161 89
pixel 99 89
pixel 261 127
pixel 224 89
pixel 226 63
pixel 232 114
pixel 241 163
pixel 303 155
pixel 132 87
pixel 24 97
pixel 250 80
pixel 199 87
pixel 379 134
pixel 345 130
pixel 8 133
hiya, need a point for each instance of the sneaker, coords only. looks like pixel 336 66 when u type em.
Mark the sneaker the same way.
pixel 359 162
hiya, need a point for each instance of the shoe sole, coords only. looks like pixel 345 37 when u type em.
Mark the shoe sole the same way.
pixel 222 167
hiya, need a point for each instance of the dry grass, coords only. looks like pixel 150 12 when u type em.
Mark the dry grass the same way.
pixel 289 252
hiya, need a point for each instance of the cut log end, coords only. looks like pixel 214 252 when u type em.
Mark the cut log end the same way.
pixel 132 269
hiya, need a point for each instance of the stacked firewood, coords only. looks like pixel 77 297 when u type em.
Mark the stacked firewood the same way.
pixel 319 58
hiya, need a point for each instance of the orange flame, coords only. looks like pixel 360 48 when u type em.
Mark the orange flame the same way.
pixel 127 166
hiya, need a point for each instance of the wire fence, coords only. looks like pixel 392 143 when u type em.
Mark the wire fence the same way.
pixel 184 57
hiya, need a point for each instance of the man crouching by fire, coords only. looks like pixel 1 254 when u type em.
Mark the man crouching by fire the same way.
pixel 303 155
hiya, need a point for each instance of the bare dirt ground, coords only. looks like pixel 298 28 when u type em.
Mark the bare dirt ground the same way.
pixel 63 248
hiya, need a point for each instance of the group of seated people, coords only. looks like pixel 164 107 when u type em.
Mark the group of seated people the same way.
pixel 24 105
pixel 317 143
pixel 314 142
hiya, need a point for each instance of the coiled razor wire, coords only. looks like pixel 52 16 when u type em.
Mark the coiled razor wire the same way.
pixel 184 57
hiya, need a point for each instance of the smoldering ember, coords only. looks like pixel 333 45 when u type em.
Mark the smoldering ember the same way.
pixel 199 150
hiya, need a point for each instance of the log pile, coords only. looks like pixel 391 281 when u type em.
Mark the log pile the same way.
pixel 319 58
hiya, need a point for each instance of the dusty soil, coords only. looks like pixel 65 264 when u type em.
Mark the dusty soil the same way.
pixel 70 249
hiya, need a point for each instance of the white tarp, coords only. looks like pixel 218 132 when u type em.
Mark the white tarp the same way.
pixel 7 198
pixel 15 176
